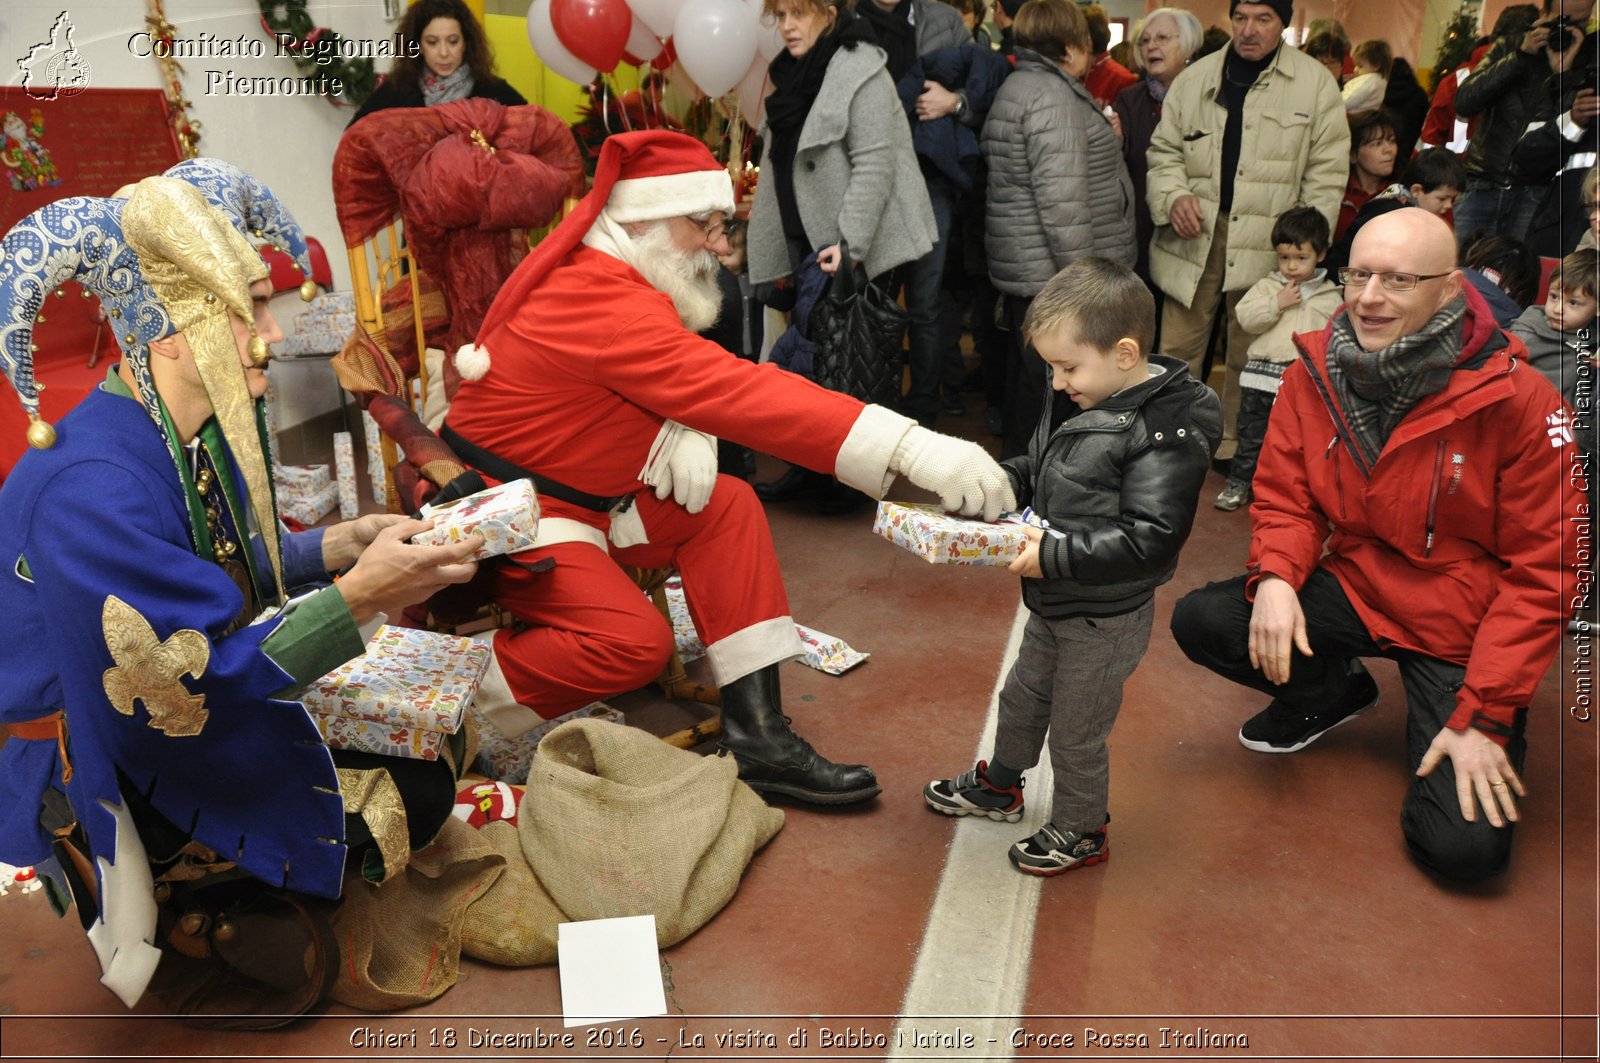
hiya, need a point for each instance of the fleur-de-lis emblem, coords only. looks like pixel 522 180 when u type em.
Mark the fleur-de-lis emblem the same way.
pixel 147 670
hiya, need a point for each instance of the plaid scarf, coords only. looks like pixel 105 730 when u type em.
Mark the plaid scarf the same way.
pixel 1376 389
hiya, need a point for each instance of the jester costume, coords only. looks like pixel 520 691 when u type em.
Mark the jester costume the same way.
pixel 157 745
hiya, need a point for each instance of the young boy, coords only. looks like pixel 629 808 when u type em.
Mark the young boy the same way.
pixel 1299 297
pixel 1434 180
pixel 1363 93
pixel 1560 337
pixel 1560 334
pixel 1115 468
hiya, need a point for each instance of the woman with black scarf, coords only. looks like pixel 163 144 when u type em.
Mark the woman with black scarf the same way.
pixel 838 163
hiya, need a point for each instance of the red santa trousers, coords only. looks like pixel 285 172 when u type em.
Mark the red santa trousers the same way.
pixel 592 633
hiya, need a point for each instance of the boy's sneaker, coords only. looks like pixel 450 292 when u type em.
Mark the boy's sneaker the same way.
pixel 1280 729
pixel 971 794
pixel 1052 851
pixel 1232 497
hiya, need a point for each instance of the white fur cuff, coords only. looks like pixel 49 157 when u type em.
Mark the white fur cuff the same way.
pixel 865 459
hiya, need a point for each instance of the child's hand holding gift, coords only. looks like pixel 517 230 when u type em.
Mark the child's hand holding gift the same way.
pixel 1028 563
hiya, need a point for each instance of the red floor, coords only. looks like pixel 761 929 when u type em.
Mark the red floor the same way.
pixel 1257 907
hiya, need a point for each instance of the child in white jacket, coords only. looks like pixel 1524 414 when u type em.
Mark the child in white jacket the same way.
pixel 1299 297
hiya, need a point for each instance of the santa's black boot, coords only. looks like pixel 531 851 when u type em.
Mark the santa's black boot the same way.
pixel 772 758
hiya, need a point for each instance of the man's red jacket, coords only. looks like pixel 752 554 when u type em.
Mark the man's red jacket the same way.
pixel 1453 543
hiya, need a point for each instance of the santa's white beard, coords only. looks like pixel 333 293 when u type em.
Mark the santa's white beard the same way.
pixel 688 278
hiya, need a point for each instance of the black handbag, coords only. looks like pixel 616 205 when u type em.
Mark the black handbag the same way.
pixel 858 332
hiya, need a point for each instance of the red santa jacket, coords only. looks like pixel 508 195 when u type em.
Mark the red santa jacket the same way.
pixel 1453 547
pixel 583 375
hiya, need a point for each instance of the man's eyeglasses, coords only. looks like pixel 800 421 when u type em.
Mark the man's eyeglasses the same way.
pixel 714 230
pixel 1156 38
pixel 1395 282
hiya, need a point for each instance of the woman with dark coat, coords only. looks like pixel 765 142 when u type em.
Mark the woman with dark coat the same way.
pixel 1163 43
pixel 452 62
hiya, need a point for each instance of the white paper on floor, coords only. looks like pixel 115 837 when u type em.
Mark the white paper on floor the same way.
pixel 610 970
pixel 824 652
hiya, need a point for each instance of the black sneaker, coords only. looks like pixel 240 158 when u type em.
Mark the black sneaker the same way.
pixel 1281 729
pixel 971 794
pixel 1054 852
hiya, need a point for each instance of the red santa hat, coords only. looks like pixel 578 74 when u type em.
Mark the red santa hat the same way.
pixel 644 176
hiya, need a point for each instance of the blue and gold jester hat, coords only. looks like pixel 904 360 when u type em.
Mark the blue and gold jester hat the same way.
pixel 252 207
pixel 201 269
pixel 79 238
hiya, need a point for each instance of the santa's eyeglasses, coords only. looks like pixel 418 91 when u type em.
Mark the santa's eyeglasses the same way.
pixel 714 230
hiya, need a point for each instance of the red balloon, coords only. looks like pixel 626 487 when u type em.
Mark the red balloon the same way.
pixel 668 56
pixel 594 31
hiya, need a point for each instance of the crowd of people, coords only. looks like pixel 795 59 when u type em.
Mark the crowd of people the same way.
pixel 1409 490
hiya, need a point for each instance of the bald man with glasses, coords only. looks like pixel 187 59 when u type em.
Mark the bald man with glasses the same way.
pixel 1410 503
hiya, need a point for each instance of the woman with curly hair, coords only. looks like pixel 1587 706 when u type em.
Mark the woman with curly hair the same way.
pixel 447 58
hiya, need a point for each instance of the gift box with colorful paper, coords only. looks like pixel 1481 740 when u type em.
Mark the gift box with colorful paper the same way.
pixel 506 516
pixel 407 684
pixel 510 759
pixel 942 539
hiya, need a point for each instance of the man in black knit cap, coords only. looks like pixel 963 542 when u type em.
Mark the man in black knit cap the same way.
pixel 1245 133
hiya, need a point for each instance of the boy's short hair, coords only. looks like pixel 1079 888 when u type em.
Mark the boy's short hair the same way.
pixel 1049 26
pixel 1325 46
pixel 1101 300
pixel 1578 272
pixel 1377 55
pixel 1506 261
pixel 1301 225
pixel 1099 28
pixel 1436 168
pixel 1591 188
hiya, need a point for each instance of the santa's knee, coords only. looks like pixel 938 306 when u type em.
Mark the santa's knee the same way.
pixel 633 654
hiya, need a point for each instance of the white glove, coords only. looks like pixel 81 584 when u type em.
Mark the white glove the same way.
pixel 963 475
pixel 682 463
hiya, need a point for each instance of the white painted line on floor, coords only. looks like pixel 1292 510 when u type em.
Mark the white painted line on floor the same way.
pixel 977 948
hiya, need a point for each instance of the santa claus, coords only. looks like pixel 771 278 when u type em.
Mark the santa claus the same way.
pixel 587 376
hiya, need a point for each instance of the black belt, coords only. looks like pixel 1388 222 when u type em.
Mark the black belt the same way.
pixel 505 471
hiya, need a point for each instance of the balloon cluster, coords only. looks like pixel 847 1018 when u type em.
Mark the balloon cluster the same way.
pixel 723 46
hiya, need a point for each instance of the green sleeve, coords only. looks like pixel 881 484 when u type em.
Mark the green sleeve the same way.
pixel 317 635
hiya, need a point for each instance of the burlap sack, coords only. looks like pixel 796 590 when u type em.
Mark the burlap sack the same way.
pixel 514 922
pixel 400 943
pixel 616 822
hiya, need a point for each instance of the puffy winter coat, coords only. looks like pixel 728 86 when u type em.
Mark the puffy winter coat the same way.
pixel 1295 152
pixel 1451 544
pixel 856 176
pixel 1058 188
pixel 1121 480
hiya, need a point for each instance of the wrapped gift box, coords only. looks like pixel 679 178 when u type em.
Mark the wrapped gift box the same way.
pixel 506 516
pixel 344 463
pixel 308 509
pixel 408 682
pixel 369 736
pixel 942 539
pixel 510 759
pixel 305 479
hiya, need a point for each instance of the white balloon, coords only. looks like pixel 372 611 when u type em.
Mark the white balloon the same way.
pixel 769 41
pixel 552 53
pixel 752 93
pixel 659 15
pixel 716 41
pixel 642 44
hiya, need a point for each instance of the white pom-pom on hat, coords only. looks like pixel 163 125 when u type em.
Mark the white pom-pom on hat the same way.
pixel 472 361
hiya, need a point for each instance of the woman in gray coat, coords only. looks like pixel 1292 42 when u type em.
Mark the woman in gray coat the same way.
pixel 1058 186
pixel 837 165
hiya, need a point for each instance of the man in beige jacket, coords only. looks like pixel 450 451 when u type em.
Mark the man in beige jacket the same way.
pixel 1246 133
